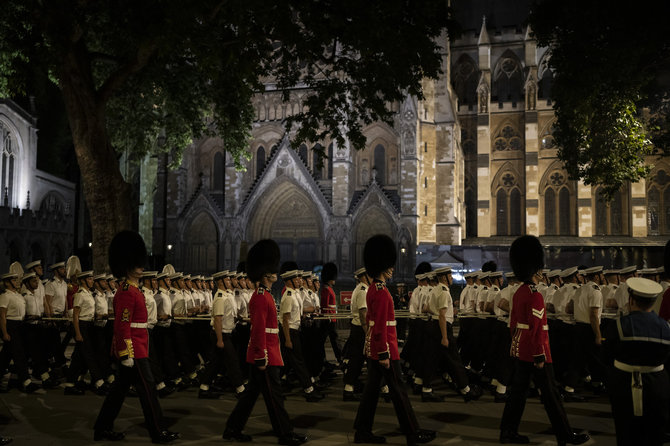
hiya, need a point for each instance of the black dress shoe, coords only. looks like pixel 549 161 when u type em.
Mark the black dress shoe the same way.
pixel 5 440
pixel 292 439
pixel 208 395
pixel 30 388
pixel 350 396
pixel 166 391
pixel 231 435
pixel 386 396
pixel 513 437
pixel 74 390
pixel 165 437
pixel 313 396
pixel 420 437
pixel 108 435
pixel 572 397
pixel 574 439
pixel 500 397
pixel 430 397
pixel 368 437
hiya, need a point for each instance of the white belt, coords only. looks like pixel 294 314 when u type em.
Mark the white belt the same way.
pixel 226 331
pixel 522 326
pixel 545 327
pixel 636 372
pixel 139 325
pixel 388 323
pixel 272 330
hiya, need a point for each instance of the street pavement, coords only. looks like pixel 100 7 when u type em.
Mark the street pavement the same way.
pixel 50 418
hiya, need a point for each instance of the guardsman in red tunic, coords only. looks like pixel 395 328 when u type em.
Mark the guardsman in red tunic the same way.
pixel 381 347
pixel 263 352
pixel 127 255
pixel 530 348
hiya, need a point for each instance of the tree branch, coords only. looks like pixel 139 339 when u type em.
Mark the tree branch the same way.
pixel 144 53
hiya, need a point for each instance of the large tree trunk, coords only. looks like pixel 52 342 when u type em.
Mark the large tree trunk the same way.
pixel 107 195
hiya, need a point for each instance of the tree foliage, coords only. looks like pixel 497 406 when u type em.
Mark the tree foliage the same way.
pixel 190 69
pixel 132 72
pixel 607 59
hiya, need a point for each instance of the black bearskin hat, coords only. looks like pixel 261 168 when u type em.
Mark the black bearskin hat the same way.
pixel 489 266
pixel 329 272
pixel 288 266
pixel 422 268
pixel 526 257
pixel 379 254
pixel 241 267
pixel 666 259
pixel 263 258
pixel 126 251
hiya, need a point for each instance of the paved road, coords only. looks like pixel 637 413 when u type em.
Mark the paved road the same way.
pixel 51 418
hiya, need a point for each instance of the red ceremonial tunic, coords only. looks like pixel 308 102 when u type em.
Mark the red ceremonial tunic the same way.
pixel 382 340
pixel 264 336
pixel 664 311
pixel 131 339
pixel 328 301
pixel 72 289
pixel 528 324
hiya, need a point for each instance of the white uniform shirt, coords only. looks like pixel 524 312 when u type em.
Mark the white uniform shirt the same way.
pixel 482 296
pixel 178 302
pixel 150 302
pixel 468 298
pixel 15 304
pixel 163 307
pixel 621 297
pixel 549 294
pixel 32 304
pixel 589 296
pixel 506 293
pixel 440 298
pixel 224 305
pixel 101 307
pixel 414 300
pixel 493 295
pixel 86 303
pixel 109 294
pixel 290 304
pixel 562 296
pixel 358 302
pixel 58 289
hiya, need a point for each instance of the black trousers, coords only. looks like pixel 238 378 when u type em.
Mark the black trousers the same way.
pixel 34 337
pixel 311 338
pixel 438 357
pixel 13 350
pixel 465 338
pixel 139 376
pixel 543 378
pixel 294 358
pixel 53 344
pixel 84 355
pixel 501 362
pixel 180 343
pixel 368 405
pixel 647 429
pixel 356 344
pixel 102 348
pixel 154 357
pixel 588 352
pixel 268 383
pixel 223 358
pixel 241 339
pixel 164 346
pixel 330 332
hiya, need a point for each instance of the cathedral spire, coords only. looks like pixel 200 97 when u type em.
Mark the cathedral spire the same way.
pixel 483 34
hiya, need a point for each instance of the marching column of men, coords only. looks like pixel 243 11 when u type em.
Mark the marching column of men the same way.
pixel 582 309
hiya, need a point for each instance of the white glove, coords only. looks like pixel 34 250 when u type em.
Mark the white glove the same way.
pixel 128 362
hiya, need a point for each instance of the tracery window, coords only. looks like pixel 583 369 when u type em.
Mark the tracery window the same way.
pixel 380 164
pixel 612 216
pixel 7 167
pixel 557 204
pixel 508 139
pixel 509 217
pixel 465 77
pixel 658 204
pixel 260 160
pixel 507 79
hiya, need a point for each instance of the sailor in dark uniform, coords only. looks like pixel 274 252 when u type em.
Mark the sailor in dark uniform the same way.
pixel 636 347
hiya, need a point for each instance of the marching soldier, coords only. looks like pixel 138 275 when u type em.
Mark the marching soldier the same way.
pixel 530 348
pixel 381 347
pixel 163 336
pixel 242 296
pixel 329 306
pixel 84 356
pixel 357 333
pixel 290 310
pixel 621 294
pixel 180 331
pixel 467 309
pixel 99 330
pixel 503 364
pixel 567 368
pixel 263 353
pixel 55 292
pixel 636 348
pixel 33 330
pixel 39 292
pixel 127 255
pixel 588 304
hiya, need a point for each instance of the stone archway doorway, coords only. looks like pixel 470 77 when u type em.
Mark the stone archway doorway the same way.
pixel 201 245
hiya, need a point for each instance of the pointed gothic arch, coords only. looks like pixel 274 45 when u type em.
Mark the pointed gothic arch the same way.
pixel 558 201
pixel 201 244
pixel 465 77
pixel 506 189
pixel 507 79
